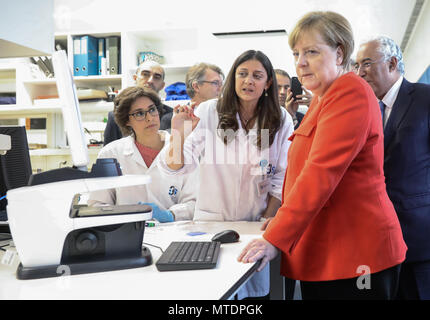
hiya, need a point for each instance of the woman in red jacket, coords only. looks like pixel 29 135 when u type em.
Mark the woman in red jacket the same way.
pixel 336 229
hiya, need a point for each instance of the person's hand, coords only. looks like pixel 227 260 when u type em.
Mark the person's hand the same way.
pixel 258 249
pixel 304 99
pixel 184 120
pixel 160 215
pixel 266 223
pixel 290 103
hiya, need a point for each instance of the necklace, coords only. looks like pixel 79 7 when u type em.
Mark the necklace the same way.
pixel 245 121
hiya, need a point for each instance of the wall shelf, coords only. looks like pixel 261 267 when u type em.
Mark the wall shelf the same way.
pixel 59 152
pixel 30 90
pixel 15 111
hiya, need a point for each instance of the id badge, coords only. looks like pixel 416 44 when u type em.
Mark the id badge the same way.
pixel 264 187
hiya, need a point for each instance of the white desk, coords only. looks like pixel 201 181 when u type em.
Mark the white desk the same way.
pixel 146 283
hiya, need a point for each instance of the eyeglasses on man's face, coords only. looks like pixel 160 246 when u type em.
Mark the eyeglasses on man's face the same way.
pixel 215 83
pixel 365 65
pixel 140 115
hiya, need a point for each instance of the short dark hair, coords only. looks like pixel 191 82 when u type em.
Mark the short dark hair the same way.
pixel 123 102
pixel 282 73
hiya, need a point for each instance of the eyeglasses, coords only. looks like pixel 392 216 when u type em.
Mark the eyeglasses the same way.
pixel 365 65
pixel 215 83
pixel 141 115
pixel 147 74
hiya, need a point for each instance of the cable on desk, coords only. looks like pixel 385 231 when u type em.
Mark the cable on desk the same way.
pixel 3 246
pixel 148 244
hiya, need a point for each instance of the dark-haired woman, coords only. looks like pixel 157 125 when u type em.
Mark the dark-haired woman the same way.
pixel 138 118
pixel 242 143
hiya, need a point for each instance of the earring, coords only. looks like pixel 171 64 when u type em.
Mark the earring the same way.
pixel 265 93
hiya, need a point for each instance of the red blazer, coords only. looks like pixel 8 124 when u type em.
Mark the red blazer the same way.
pixel 335 215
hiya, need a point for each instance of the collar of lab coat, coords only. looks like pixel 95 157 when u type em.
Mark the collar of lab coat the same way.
pixel 130 148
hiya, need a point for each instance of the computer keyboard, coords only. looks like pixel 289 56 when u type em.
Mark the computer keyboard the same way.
pixel 189 255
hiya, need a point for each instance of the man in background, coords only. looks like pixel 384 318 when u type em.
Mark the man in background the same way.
pixel 204 82
pixel 286 99
pixel 149 74
pixel 405 111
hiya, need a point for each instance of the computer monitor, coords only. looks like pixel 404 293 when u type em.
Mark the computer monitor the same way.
pixel 70 108
pixel 15 167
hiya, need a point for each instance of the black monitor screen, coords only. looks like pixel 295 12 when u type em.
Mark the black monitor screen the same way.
pixel 15 165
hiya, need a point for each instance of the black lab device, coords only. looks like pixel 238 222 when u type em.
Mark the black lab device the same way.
pixel 296 87
pixel 226 236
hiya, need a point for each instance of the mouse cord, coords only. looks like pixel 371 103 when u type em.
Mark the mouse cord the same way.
pixel 148 244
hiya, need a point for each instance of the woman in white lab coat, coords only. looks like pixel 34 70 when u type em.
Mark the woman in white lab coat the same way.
pixel 137 116
pixel 242 143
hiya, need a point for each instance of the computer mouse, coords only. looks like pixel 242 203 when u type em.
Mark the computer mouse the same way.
pixel 226 236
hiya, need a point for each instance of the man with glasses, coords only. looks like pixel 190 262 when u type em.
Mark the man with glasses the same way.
pixel 204 82
pixel 149 74
pixel 405 111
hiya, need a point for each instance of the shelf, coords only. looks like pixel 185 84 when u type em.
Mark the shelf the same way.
pixel 59 152
pixel 87 107
pixel 7 80
pixel 101 80
pixel 179 57
pixel 15 110
pixel 175 68
pixel 94 33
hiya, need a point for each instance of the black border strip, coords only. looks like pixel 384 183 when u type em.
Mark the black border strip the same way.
pixel 241 281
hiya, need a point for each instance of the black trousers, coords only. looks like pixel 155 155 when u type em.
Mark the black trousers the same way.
pixel 383 286
pixel 414 281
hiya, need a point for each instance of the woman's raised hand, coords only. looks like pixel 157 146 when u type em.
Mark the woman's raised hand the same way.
pixel 184 120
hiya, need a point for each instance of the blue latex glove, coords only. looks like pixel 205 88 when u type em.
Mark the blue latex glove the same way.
pixel 160 215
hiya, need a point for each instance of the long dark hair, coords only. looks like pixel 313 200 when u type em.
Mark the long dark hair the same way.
pixel 268 111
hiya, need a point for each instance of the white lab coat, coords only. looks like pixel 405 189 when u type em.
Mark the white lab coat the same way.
pixel 178 193
pixel 230 175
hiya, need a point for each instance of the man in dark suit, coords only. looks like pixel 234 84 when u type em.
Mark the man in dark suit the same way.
pixel 405 108
pixel 151 75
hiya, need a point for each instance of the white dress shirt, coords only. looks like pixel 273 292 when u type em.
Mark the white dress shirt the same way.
pixel 390 98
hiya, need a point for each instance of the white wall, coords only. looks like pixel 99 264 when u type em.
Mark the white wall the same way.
pixel 26 28
pixel 417 54
pixel 207 17
pixel 196 44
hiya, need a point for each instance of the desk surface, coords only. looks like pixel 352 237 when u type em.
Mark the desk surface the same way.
pixel 146 283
